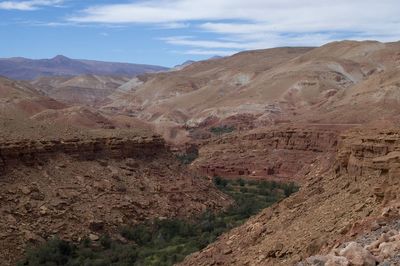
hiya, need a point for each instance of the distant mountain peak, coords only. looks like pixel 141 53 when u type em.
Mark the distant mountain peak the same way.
pixel 215 57
pixel 60 58
pixel 188 62
pixel 183 65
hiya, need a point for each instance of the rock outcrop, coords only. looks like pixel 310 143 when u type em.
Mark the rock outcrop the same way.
pixel 370 153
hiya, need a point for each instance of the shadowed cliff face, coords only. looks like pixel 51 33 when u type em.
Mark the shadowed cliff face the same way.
pixel 92 185
pixel 355 196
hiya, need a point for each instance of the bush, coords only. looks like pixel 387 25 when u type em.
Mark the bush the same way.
pixel 241 182
pixel 222 130
pixel 54 252
pixel 290 189
pixel 220 182
pixel 106 242
pixel 140 234
pixel 187 158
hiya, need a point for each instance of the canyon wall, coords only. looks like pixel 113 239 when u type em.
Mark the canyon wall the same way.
pixel 31 151
pixel 282 154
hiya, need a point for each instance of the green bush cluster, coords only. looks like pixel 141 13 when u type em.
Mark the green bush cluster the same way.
pixel 187 158
pixel 222 130
pixel 164 242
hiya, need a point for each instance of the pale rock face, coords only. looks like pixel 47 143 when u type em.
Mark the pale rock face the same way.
pixel 329 260
pixel 336 261
pixel 357 255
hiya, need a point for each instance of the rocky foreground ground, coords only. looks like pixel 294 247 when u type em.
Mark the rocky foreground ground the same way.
pixel 380 246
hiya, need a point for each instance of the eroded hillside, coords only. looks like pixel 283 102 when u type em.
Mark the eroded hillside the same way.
pixel 333 83
pixel 83 90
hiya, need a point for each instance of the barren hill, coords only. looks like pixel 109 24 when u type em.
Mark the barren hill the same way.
pixel 82 90
pixel 324 85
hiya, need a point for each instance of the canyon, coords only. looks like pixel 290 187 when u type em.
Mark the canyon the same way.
pixel 355 196
pixel 81 156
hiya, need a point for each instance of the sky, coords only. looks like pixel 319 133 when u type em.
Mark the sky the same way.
pixel 169 32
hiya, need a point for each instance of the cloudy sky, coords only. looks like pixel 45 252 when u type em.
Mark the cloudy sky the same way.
pixel 168 32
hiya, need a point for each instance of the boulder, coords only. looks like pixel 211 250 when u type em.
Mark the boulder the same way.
pixel 336 261
pixel 94 237
pixel 389 249
pixel 357 255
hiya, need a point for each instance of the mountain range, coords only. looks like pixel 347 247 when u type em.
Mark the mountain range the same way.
pixel 20 68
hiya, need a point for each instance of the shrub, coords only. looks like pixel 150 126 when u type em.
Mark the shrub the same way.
pixel 241 182
pixel 290 189
pixel 220 182
pixel 222 130
pixel 105 242
pixel 140 234
pixel 54 252
pixel 187 158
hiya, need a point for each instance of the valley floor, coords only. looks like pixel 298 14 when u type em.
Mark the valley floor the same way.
pixel 164 242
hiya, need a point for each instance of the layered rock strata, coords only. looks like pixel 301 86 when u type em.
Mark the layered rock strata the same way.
pixel 282 154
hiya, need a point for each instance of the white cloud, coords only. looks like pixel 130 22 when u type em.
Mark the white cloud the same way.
pixel 274 12
pixel 188 41
pixel 173 25
pixel 210 52
pixel 254 24
pixel 28 5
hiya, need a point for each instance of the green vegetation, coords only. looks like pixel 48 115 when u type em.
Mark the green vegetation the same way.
pixel 222 130
pixel 164 242
pixel 191 154
pixel 188 158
